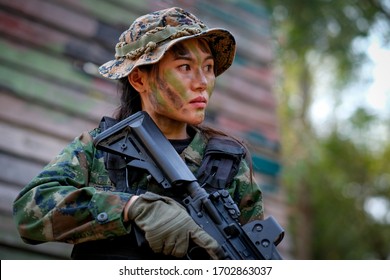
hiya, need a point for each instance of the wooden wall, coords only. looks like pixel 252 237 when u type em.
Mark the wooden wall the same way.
pixel 50 90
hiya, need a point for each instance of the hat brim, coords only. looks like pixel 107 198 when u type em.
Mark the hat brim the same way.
pixel 221 41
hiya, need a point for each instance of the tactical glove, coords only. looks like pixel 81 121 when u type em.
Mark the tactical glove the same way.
pixel 168 227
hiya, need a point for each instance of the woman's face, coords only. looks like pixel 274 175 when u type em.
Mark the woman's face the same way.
pixel 180 85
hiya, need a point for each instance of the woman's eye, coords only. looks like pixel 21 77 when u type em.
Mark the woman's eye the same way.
pixel 184 67
pixel 209 68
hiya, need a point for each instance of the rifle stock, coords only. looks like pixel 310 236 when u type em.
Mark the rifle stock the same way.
pixel 140 142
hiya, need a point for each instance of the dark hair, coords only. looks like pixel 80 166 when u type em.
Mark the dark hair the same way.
pixel 130 100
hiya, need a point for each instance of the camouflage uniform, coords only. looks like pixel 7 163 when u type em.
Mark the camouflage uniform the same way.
pixel 73 200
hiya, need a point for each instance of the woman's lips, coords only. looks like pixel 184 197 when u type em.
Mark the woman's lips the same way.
pixel 199 102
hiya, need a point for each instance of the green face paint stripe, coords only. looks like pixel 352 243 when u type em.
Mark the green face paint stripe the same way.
pixel 175 99
pixel 195 51
pixel 155 96
pixel 172 96
pixel 162 96
pixel 175 83
pixel 200 48
pixel 210 89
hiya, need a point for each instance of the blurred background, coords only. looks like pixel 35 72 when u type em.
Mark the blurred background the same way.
pixel 308 92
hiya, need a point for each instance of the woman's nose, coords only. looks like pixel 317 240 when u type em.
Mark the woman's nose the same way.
pixel 200 80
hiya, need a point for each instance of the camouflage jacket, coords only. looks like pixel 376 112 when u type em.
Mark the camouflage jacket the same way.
pixel 73 200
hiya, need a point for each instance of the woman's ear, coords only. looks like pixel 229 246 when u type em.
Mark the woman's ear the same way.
pixel 137 80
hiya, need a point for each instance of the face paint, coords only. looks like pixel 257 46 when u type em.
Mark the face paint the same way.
pixel 181 83
pixel 175 89
pixel 204 47
pixel 167 93
pixel 210 88
pixel 172 98
pixel 156 96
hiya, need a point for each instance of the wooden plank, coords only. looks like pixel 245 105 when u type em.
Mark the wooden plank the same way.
pixel 61 18
pixel 141 7
pixel 252 12
pixel 245 90
pixel 236 127
pixel 241 125
pixel 253 52
pixel 266 165
pixel 54 15
pixel 253 44
pixel 7 197
pixel 17 171
pixel 53 95
pixel 260 75
pixel 268 184
pixel 50 40
pixel 255 16
pixel 267 148
pixel 242 111
pixel 107 11
pixel 42 119
pixel 53 68
pixel 30 144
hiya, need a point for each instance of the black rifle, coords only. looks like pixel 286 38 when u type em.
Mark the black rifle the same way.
pixel 140 142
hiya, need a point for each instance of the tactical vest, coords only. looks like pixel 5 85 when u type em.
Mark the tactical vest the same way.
pixel 218 168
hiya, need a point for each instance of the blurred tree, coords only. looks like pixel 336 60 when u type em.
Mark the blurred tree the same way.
pixel 334 181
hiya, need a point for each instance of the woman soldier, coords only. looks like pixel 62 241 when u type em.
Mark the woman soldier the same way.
pixel 167 62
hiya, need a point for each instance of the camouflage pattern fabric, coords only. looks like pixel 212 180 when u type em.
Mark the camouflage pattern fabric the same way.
pixel 73 200
pixel 151 35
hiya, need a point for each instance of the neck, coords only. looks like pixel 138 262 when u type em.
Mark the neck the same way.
pixel 173 130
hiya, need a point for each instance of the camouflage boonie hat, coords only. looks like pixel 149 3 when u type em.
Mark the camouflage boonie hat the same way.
pixel 151 35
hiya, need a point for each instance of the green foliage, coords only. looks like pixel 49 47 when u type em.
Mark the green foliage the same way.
pixel 328 27
pixel 329 189
pixel 331 180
